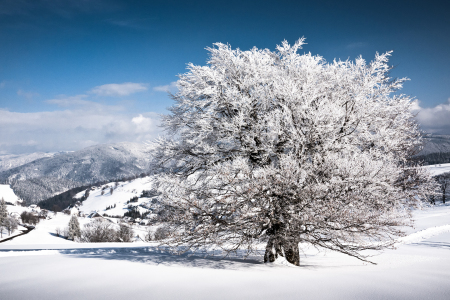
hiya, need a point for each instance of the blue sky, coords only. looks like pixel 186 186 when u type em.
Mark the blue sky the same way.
pixel 74 73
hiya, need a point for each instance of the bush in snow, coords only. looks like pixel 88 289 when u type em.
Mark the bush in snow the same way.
pixel 98 231
pixel 161 233
pixel 283 148
pixel 148 235
pixel 124 234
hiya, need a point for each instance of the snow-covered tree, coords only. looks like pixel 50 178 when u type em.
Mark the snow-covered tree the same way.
pixel 284 148
pixel 10 224
pixel 3 215
pixel 98 231
pixel 74 228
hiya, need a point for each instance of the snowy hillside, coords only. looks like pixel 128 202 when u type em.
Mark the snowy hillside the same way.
pixel 10 161
pixel 436 150
pixel 122 193
pixel 100 197
pixel 8 195
pixel 48 176
pixel 436 144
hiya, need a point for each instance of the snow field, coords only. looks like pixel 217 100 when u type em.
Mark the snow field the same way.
pixel 7 194
pixel 418 269
pixel 52 267
pixel 438 169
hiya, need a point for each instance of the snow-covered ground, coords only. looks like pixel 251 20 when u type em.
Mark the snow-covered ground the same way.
pixel 438 169
pixel 7 193
pixel 40 265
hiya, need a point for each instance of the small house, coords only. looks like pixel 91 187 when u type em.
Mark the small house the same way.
pixel 34 208
pixel 144 222
pixel 94 214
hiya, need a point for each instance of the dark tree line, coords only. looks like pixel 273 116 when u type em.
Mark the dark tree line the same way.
pixel 59 202
pixel 434 158
pixel 134 213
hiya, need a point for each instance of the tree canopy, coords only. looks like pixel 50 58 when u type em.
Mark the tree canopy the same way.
pixel 286 148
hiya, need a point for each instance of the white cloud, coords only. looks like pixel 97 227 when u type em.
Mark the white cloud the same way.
pixel 65 101
pixel 172 87
pixel 73 129
pixel 119 89
pixel 434 119
pixel 81 122
pixel 27 95
pixel 82 102
pixel 143 123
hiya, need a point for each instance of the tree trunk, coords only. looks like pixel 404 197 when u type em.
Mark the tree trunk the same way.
pixel 292 254
pixel 276 247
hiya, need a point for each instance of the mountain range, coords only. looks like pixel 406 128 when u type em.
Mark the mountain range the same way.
pixel 10 161
pixel 52 174
pixel 436 150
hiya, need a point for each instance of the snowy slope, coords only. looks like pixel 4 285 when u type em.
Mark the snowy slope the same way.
pixel 121 194
pixel 8 195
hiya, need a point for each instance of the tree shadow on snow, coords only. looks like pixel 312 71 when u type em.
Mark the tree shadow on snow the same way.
pixel 442 245
pixel 58 236
pixel 155 256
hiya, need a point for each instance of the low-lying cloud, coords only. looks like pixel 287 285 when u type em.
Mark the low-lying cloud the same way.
pixel 76 122
pixel 119 89
pixel 434 119
pixel 172 88
pixel 73 129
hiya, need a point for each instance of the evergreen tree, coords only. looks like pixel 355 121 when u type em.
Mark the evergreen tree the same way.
pixel 74 228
